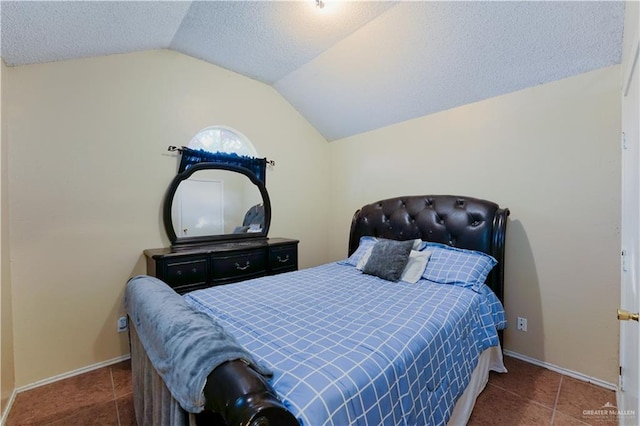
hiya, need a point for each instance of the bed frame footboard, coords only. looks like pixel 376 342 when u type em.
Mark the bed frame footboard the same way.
pixel 243 398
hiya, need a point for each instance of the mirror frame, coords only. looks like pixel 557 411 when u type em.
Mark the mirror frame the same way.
pixel 177 242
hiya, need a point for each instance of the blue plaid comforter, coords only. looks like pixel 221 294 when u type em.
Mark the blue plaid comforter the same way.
pixel 352 349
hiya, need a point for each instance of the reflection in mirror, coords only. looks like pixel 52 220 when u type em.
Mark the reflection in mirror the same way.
pixel 212 202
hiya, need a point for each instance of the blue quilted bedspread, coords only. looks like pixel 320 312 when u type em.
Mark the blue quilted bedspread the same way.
pixel 351 349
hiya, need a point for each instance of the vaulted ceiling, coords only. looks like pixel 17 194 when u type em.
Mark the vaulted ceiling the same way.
pixel 349 67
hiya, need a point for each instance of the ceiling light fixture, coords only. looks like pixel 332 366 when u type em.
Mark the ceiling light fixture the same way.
pixel 319 4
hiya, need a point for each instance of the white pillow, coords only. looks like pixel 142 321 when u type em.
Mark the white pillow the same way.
pixel 415 267
pixel 418 244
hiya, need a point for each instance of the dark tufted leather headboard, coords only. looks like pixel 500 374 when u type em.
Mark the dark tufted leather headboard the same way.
pixel 458 221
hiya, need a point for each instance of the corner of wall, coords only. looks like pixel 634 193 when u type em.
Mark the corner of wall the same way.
pixel 7 370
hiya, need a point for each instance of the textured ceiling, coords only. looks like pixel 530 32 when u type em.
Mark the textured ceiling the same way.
pixel 348 68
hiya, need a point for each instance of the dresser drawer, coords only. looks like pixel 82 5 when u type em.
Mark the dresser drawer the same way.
pixel 283 258
pixel 224 262
pixel 186 271
pixel 238 265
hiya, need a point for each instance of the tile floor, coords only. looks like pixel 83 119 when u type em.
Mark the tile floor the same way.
pixel 100 397
pixel 528 395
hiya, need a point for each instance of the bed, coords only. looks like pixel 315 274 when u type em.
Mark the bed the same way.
pixel 344 343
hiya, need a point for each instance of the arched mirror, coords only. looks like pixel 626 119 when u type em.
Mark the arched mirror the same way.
pixel 214 202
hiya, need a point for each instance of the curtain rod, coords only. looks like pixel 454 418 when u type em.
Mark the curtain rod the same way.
pixel 172 148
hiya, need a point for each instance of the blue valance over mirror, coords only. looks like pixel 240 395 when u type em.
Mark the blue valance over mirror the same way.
pixel 257 166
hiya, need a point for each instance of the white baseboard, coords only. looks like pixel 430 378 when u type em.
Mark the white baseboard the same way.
pixel 562 370
pixel 5 413
pixel 73 373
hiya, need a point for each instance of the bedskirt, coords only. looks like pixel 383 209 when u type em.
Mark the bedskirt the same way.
pixel 490 360
pixel 152 401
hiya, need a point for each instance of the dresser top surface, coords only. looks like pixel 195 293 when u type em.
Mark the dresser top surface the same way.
pixel 219 247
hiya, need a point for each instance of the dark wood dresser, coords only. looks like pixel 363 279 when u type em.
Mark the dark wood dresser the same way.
pixel 188 269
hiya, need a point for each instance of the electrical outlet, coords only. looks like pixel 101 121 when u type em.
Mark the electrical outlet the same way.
pixel 123 324
pixel 522 324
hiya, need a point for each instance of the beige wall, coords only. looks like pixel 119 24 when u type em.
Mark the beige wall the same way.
pixel 549 153
pixel 89 170
pixel 7 378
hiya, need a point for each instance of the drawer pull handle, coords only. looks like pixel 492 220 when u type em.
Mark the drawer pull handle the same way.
pixel 242 268
pixel 193 270
pixel 285 260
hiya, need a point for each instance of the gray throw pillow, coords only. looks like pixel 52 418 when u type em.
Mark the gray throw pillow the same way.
pixel 388 259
